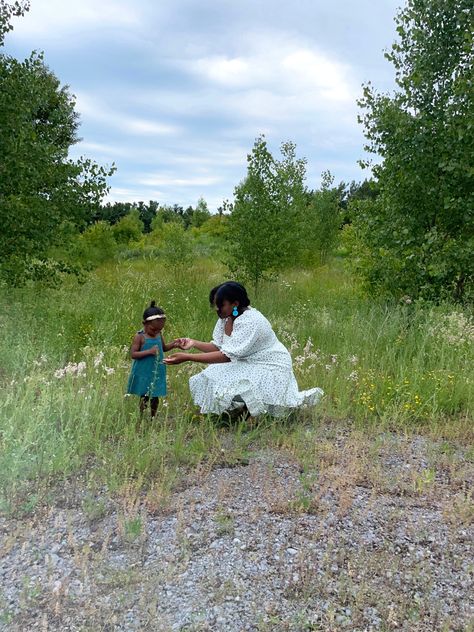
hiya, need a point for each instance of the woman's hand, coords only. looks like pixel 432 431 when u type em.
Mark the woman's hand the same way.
pixel 176 358
pixel 185 343
pixel 176 343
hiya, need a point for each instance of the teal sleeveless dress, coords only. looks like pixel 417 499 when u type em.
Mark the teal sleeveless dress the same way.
pixel 148 375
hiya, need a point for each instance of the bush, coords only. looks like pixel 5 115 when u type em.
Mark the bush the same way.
pixel 129 228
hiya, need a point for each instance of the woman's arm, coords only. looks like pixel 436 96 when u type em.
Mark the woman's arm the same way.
pixel 211 357
pixel 189 343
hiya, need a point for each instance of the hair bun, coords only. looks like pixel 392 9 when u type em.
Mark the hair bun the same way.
pixel 153 304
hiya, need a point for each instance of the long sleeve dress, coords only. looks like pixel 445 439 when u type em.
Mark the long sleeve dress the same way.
pixel 259 374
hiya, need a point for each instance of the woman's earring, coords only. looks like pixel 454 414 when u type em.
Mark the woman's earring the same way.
pixel 235 311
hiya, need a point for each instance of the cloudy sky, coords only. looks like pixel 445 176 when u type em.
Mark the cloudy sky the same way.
pixel 175 91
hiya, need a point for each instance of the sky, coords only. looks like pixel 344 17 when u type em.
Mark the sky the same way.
pixel 175 92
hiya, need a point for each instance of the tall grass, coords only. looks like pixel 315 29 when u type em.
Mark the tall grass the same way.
pixel 64 366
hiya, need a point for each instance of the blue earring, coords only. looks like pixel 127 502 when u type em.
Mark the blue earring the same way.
pixel 235 311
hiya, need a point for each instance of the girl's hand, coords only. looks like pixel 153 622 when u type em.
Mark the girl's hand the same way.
pixel 176 358
pixel 153 350
pixel 186 343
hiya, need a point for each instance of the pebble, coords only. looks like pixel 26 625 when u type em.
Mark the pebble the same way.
pixel 207 581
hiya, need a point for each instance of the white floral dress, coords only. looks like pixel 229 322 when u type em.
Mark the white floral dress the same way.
pixel 259 374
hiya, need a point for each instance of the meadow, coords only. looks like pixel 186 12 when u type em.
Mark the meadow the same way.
pixel 64 365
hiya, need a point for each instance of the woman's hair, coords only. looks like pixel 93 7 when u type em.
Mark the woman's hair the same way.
pixel 153 310
pixel 229 291
pixel 212 294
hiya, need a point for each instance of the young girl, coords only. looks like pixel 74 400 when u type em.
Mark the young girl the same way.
pixel 148 375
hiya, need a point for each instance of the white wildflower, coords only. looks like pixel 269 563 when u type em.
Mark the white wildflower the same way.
pixel 353 377
pixel 456 329
pixel 299 360
pixel 308 346
pixel 80 368
pixel 109 370
pixel 353 359
pixel 98 359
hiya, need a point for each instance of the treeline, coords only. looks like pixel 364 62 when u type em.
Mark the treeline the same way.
pixel 113 212
pixel 177 235
pixel 408 230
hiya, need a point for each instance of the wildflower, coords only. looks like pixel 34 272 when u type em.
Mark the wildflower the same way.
pixel 109 370
pixel 98 359
pixel 307 347
pixel 455 328
pixel 328 367
pixel 80 368
pixel 334 359
pixel 353 359
pixel 353 377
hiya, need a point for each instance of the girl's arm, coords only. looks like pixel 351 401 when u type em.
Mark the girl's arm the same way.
pixel 135 352
pixel 211 357
pixel 174 344
pixel 189 343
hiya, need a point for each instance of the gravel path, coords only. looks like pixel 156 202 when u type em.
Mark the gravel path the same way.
pixel 373 537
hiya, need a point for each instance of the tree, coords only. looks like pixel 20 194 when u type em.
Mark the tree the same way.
pixel 201 213
pixel 129 228
pixel 265 223
pixel 417 236
pixel 322 221
pixel 176 247
pixel 40 188
pixel 7 12
pixel 166 214
pixel 112 212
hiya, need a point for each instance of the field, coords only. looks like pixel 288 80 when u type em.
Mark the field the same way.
pixel 398 380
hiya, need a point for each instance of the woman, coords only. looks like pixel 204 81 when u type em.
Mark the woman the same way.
pixel 249 366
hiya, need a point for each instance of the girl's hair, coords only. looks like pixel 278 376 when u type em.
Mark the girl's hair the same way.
pixel 153 310
pixel 229 291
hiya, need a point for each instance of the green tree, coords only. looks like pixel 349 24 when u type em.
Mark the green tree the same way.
pixel 417 236
pixel 112 212
pixel 201 213
pixel 176 246
pixel 129 228
pixel 95 245
pixel 265 224
pixel 322 222
pixel 9 10
pixel 40 188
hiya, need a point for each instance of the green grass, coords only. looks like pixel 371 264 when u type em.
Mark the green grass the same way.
pixel 403 366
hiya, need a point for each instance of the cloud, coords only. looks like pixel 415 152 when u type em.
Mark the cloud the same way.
pixel 168 180
pixel 278 65
pixel 175 93
pixel 93 108
pixel 57 18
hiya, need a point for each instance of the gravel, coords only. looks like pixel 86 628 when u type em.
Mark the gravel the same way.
pixel 252 547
